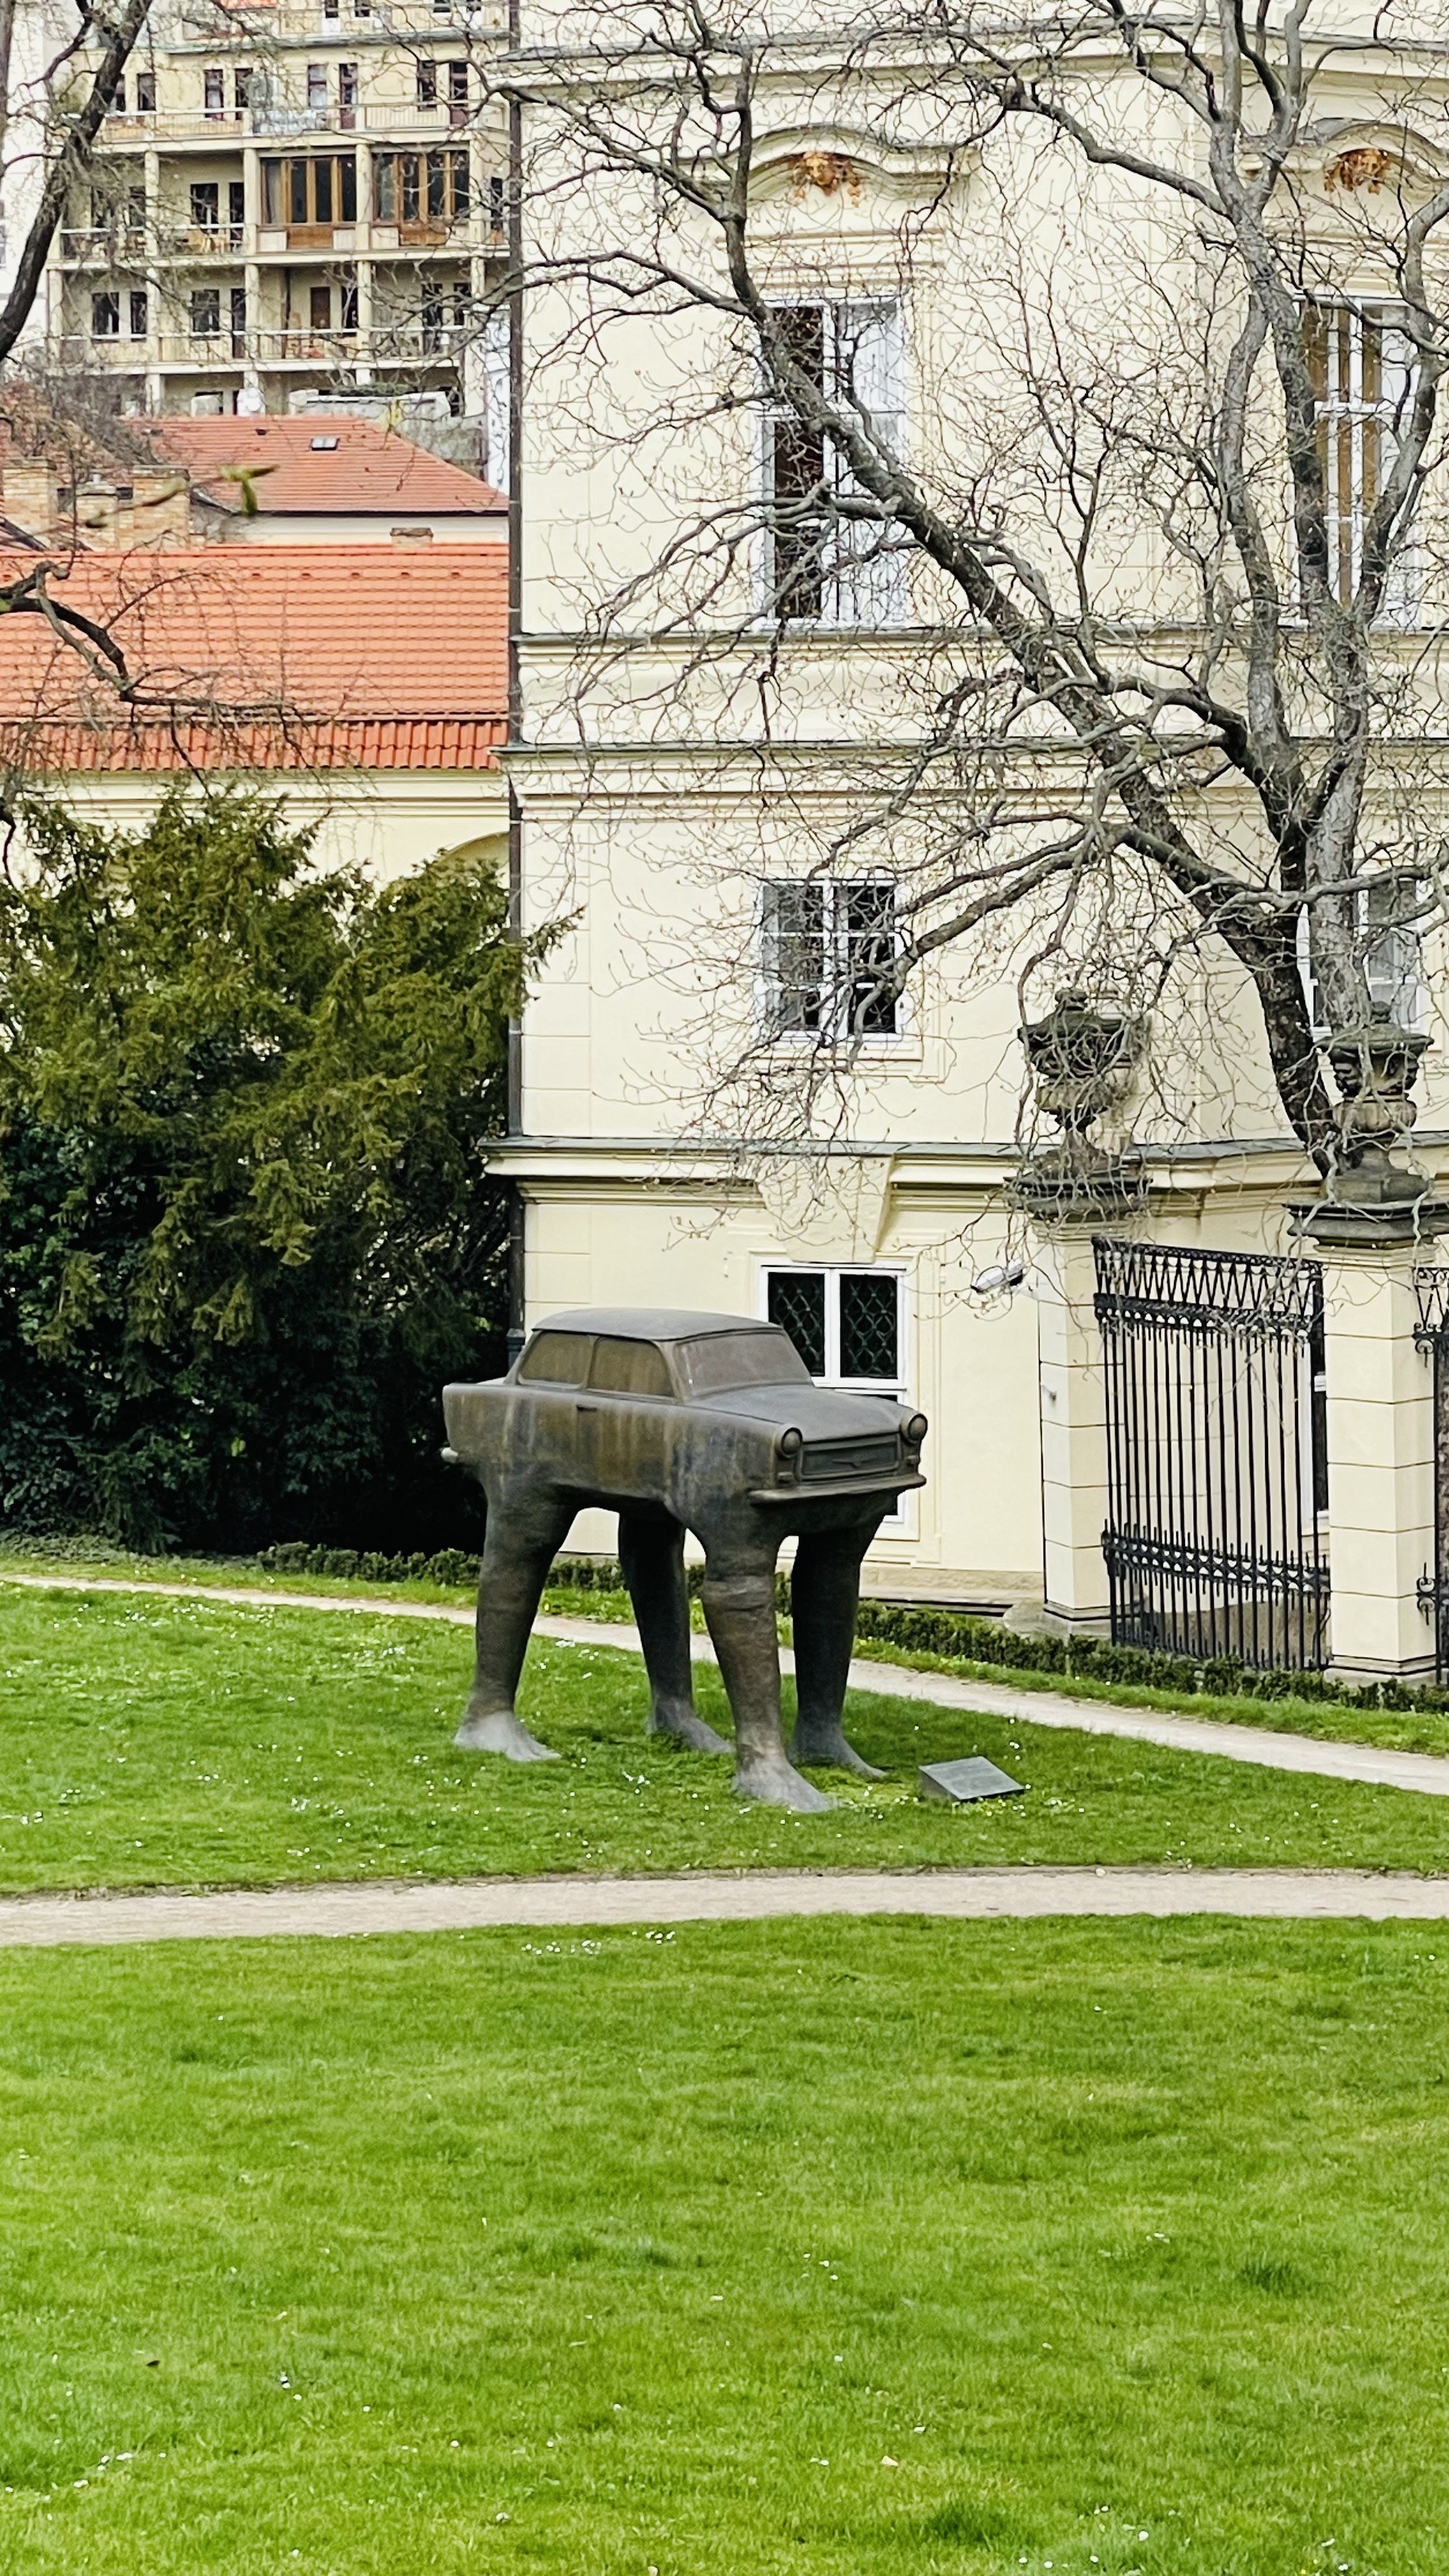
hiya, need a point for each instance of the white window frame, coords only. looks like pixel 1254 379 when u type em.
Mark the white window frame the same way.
pixel 874 592
pixel 1413 981
pixel 833 1031
pixel 1363 417
pixel 901 1523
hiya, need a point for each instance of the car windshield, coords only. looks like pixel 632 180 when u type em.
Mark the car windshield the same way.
pixel 766 1358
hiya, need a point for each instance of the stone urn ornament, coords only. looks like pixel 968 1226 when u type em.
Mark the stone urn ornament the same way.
pixel 1082 1060
pixel 1370 1198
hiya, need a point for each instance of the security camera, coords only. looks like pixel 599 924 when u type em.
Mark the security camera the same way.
pixel 1002 1274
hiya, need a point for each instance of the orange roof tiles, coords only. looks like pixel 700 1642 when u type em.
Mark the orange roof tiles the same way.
pixel 364 468
pixel 264 656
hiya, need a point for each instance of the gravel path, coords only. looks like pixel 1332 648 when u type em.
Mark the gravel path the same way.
pixel 581 1904
pixel 1273 1748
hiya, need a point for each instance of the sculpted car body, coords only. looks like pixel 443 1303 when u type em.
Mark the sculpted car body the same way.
pixel 679 1421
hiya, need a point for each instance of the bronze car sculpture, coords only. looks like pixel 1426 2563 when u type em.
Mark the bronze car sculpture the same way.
pixel 679 1421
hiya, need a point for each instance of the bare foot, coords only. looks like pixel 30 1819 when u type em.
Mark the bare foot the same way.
pixel 682 1726
pixel 776 1784
pixel 501 1732
pixel 827 1748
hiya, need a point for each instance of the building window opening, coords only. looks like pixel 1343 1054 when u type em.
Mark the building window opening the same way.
pixel 830 955
pixel 845 1324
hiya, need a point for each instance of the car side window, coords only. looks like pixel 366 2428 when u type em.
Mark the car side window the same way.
pixel 560 1359
pixel 629 1368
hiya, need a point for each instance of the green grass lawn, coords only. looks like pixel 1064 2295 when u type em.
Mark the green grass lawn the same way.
pixel 829 2249
pixel 1413 1729
pixel 165 1742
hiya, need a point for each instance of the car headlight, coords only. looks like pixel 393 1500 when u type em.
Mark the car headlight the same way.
pixel 916 1429
pixel 790 1443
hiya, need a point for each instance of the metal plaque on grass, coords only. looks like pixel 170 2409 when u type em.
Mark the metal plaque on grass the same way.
pixel 974 1777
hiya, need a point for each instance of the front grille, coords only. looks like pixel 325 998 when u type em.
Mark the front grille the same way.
pixel 823 1459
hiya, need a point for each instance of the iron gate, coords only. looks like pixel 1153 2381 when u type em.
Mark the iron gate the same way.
pixel 1432 1337
pixel 1216 1456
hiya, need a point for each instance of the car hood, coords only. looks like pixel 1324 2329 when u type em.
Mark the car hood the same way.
pixel 821 1413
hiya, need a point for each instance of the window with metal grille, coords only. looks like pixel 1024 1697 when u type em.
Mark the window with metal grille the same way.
pixel 1360 361
pixel 829 950
pixel 825 559
pixel 845 1324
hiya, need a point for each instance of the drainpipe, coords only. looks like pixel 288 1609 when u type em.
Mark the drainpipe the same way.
pixel 517 1211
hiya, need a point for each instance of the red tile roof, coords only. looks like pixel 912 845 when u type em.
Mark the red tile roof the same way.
pixel 264 656
pixel 364 469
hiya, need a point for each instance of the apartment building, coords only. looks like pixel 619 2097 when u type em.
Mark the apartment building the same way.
pixel 292 205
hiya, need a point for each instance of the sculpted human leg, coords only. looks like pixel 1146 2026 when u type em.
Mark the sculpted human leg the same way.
pixel 526 1529
pixel 651 1552
pixel 824 1597
pixel 739 1606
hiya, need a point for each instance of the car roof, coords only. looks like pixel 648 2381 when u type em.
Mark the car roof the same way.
pixel 650 1323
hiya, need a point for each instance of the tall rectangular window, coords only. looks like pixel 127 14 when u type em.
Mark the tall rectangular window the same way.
pixel 427 80
pixel 1359 359
pixel 823 561
pixel 105 316
pixel 1392 912
pixel 238 321
pixel 829 952
pixel 241 87
pixel 205 312
pixel 139 312
pixel 847 1325
pixel 317 88
pixel 457 93
pixel 213 90
pixel 145 93
pixel 205 205
pixel 347 94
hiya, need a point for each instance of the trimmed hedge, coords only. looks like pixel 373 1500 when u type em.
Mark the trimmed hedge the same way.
pixel 969 1639
pixel 295 1556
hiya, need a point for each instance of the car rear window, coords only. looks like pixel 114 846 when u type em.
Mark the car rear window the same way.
pixel 629 1368
pixel 743 1359
pixel 562 1358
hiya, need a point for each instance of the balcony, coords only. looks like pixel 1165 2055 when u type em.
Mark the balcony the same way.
pixel 401 344
pixel 202 241
pixel 113 245
pixel 222 126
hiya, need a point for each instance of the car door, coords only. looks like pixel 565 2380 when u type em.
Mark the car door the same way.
pixel 624 1418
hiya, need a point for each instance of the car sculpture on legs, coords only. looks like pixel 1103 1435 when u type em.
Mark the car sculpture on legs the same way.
pixel 679 1421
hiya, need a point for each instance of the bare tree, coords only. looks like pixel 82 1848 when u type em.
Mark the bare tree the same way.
pixel 1151 553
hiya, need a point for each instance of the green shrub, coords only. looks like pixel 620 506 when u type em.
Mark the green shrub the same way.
pixel 245 1228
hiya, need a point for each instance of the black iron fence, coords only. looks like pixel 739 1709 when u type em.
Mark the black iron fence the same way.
pixel 1216 1456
